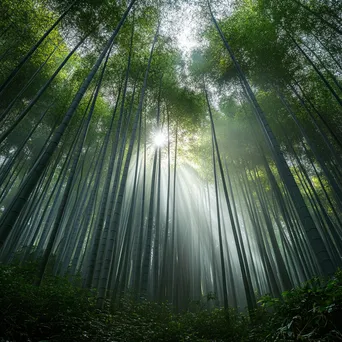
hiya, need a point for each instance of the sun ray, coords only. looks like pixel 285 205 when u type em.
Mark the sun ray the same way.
pixel 159 139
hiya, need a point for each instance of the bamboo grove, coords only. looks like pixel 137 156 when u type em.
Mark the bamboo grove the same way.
pixel 240 196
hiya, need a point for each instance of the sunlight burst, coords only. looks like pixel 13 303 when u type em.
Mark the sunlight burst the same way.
pixel 159 139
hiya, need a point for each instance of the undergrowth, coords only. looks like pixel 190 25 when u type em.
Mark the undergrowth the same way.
pixel 60 310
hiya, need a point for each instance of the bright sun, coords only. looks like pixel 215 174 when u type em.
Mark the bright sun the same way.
pixel 159 139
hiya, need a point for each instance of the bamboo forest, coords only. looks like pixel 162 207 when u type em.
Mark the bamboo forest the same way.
pixel 170 170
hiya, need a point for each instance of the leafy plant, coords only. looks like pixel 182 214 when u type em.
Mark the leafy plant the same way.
pixel 309 312
pixel 60 310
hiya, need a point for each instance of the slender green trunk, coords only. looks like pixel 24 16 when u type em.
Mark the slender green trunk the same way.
pixel 313 235
pixel 9 217
pixel 33 49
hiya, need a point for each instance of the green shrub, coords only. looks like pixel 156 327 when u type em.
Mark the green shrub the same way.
pixel 60 310
pixel 311 312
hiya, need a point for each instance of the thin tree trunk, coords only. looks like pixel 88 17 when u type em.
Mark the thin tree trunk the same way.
pixel 10 215
pixel 314 237
pixel 33 49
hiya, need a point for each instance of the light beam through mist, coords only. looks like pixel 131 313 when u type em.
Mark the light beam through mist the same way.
pixel 159 139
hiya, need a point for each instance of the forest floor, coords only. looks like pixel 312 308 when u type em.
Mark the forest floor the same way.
pixel 60 310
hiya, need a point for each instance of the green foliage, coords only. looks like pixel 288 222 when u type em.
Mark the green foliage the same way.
pixel 57 311
pixel 60 310
pixel 311 312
